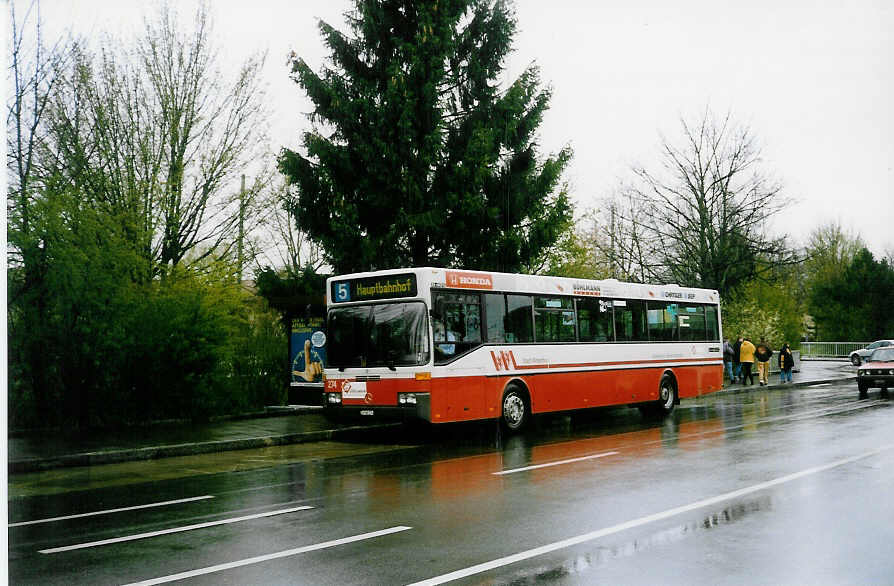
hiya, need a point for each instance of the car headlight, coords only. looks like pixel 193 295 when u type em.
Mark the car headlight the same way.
pixel 334 398
pixel 406 398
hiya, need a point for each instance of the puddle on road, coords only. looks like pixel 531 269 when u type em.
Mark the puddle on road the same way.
pixel 575 567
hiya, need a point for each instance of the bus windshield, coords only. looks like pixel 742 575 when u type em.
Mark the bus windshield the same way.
pixel 387 334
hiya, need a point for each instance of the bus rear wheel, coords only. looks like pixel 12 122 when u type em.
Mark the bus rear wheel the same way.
pixel 515 411
pixel 667 394
pixel 667 398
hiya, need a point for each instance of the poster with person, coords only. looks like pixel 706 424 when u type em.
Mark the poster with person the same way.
pixel 308 349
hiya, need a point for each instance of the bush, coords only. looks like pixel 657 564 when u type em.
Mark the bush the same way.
pixel 772 311
pixel 186 346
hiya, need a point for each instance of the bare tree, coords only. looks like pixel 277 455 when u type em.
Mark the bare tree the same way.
pixel 620 240
pixel 35 71
pixel 284 245
pixel 210 132
pixel 700 219
pixel 152 133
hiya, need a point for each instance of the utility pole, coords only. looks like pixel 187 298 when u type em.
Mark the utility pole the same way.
pixel 241 228
pixel 612 259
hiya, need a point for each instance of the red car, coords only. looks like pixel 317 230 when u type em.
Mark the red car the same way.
pixel 877 371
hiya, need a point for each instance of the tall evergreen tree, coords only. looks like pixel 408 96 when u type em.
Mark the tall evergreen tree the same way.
pixel 416 156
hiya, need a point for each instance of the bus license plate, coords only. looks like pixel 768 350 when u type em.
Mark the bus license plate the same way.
pixel 366 412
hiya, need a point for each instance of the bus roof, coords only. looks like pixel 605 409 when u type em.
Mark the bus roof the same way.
pixel 427 278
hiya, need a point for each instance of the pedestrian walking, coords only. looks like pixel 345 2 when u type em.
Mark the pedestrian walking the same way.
pixel 763 355
pixel 728 360
pixel 786 363
pixel 746 357
pixel 737 364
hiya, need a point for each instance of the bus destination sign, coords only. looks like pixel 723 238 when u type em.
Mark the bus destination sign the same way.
pixel 373 288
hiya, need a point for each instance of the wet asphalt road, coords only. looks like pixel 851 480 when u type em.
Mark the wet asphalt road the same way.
pixel 785 486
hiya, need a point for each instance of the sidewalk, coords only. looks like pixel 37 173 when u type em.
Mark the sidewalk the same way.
pixel 285 425
pixel 296 424
pixel 813 372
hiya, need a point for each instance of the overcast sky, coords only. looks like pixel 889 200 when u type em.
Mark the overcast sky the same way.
pixel 813 80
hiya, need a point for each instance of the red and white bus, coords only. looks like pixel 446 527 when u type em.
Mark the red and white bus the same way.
pixel 447 345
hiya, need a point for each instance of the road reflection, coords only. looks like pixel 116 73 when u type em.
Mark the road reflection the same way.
pixel 462 461
pixel 577 567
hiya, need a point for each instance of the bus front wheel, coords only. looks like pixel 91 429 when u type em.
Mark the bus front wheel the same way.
pixel 515 411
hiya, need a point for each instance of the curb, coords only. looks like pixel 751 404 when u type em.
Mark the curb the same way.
pixel 269 411
pixel 151 453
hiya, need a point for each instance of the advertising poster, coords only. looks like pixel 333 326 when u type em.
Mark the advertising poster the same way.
pixel 308 348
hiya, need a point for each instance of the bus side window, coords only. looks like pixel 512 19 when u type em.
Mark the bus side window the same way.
pixel 595 320
pixel 554 319
pixel 692 323
pixel 630 321
pixel 519 322
pixel 495 310
pixel 662 317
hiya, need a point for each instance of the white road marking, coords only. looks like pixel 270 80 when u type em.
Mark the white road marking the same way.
pixel 109 511
pixel 511 559
pixel 173 530
pixel 268 557
pixel 557 463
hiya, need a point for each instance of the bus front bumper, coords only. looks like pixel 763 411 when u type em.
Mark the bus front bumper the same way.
pixel 410 406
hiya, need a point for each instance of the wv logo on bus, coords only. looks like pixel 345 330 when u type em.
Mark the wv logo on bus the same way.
pixel 504 360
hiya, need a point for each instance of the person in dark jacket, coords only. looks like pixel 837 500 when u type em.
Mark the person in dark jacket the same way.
pixel 786 364
pixel 737 364
pixel 728 360
pixel 763 355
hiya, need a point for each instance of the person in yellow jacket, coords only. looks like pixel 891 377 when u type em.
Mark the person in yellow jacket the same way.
pixel 746 357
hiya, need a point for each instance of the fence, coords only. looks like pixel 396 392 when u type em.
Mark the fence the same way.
pixel 829 349
pixel 774 362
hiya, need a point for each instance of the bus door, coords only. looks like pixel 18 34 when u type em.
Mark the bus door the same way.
pixel 456 327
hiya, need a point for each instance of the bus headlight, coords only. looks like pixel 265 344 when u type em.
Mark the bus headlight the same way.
pixel 406 398
pixel 333 398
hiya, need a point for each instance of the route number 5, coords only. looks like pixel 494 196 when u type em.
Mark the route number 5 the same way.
pixel 342 292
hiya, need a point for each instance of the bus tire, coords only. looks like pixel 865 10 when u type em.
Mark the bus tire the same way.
pixel 667 395
pixel 515 408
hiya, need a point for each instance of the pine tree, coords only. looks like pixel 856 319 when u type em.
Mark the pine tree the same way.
pixel 416 157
